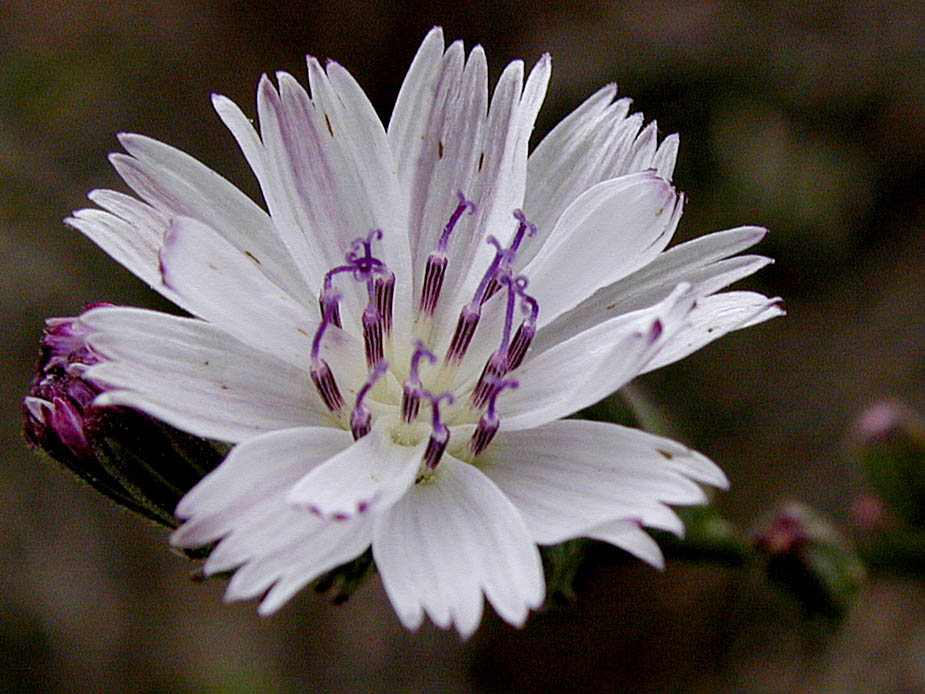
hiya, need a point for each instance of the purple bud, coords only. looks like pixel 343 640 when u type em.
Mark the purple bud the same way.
pixel 139 462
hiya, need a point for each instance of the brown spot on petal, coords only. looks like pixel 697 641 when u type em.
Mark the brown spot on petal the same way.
pixel 252 257
pixel 439 149
pixel 327 122
pixel 665 454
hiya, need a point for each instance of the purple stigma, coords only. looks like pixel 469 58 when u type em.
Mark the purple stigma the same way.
pixel 360 417
pixel 440 436
pixel 320 372
pixel 412 391
pixel 524 227
pixel 454 218
pixel 366 245
pixel 489 422
pixel 329 308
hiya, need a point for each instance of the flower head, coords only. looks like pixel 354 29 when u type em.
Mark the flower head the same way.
pixel 392 344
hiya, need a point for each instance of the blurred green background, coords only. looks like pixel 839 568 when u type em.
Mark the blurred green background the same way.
pixel 806 117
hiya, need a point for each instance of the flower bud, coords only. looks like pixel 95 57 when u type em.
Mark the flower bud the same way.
pixel 138 462
pixel 891 447
pixel 810 559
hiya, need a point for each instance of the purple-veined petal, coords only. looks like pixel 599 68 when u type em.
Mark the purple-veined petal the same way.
pixel 361 141
pixel 449 540
pixel 499 188
pixel 452 146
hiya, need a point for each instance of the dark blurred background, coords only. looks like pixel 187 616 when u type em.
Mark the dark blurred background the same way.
pixel 806 117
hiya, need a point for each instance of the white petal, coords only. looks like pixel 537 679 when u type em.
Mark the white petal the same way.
pixel 713 317
pixel 569 476
pixel 414 103
pixel 703 263
pixel 664 160
pixel 133 245
pixel 446 542
pixel 228 288
pixel 177 184
pixel 451 147
pixel 629 537
pixel 255 470
pixel 372 473
pixel 244 134
pixel 363 144
pixel 596 142
pixel 305 548
pixel 196 377
pixel 499 188
pixel 337 546
pixel 580 371
pixel 299 171
pixel 612 229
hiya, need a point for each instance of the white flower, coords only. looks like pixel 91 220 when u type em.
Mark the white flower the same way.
pixel 363 375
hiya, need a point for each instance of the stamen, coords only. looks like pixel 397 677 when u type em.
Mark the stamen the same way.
pixel 327 388
pixel 435 269
pixel 320 372
pixel 412 391
pixel 497 364
pixel 372 335
pixel 491 272
pixel 465 329
pixel 489 422
pixel 524 335
pixel 384 291
pixel 434 273
pixel 440 436
pixel 360 417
